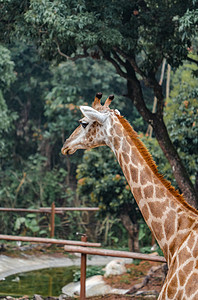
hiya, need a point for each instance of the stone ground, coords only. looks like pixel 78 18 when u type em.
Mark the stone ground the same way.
pixel 150 273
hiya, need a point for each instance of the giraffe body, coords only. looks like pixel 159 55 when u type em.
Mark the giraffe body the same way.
pixel 172 221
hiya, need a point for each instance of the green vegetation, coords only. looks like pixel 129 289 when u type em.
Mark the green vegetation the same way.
pixel 54 56
pixel 90 271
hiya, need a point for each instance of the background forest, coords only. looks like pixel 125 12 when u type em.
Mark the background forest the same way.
pixel 55 56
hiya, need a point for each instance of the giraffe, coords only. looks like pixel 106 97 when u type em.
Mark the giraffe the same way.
pixel 173 222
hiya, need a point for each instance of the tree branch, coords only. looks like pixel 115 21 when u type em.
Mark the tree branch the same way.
pixel 136 95
pixel 116 65
pixel 132 62
pixel 192 60
pixel 157 88
pixel 69 57
pixel 147 80
pixel 117 57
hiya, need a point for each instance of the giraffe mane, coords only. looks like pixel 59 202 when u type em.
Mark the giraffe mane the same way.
pixel 149 160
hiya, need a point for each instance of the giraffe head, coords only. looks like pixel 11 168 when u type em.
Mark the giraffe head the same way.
pixel 91 132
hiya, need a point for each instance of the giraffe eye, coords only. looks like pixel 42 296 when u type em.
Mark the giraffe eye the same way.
pixel 84 124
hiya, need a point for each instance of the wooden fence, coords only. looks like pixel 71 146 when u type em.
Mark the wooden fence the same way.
pixel 49 210
pixel 83 247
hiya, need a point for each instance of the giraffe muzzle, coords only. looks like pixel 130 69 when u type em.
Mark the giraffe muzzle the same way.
pixel 67 150
pixel 64 151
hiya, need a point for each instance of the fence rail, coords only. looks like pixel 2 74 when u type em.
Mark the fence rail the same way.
pixel 46 240
pixel 59 210
pixel 114 253
pixel 83 248
pixel 49 210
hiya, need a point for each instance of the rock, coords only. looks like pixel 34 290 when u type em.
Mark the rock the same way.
pixel 3 248
pixel 115 267
pixel 37 297
pixel 154 248
pixel 95 286
pixel 16 279
pixel 148 294
pixel 62 297
pixel 155 274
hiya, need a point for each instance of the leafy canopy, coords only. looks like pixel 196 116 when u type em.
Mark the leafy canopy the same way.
pixel 181 115
pixel 148 28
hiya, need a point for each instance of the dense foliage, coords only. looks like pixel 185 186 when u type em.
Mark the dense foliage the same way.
pixel 54 56
pixel 134 36
pixel 181 116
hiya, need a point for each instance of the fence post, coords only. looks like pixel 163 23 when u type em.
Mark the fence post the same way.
pixel 83 271
pixel 52 220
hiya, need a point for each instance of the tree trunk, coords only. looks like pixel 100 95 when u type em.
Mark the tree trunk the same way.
pixel 162 136
pixel 178 168
pixel 154 119
pixel 133 231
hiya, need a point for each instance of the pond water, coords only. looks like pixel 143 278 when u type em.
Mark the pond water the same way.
pixel 46 282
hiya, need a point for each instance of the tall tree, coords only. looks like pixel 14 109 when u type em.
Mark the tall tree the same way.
pixel 134 36
pixel 7 76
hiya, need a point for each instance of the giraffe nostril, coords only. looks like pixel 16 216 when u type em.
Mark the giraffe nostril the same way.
pixel 63 149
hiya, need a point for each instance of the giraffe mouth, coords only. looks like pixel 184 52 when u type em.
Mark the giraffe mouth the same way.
pixel 67 151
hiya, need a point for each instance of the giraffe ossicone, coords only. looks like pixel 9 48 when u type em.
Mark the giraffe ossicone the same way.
pixel 173 222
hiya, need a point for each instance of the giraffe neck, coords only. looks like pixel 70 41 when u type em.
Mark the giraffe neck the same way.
pixel 166 215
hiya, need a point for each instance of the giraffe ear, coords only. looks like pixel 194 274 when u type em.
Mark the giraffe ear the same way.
pixel 93 114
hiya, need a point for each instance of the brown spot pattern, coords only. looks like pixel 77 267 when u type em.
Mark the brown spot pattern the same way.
pixel 160 193
pixel 183 255
pixel 148 191
pixel 177 242
pixel 187 269
pixel 169 224
pixel 134 156
pixel 129 140
pixel 191 286
pixel 145 212
pixel 157 229
pixel 195 251
pixel 185 221
pixel 134 174
pixel 116 142
pixel 145 176
pixel 165 251
pixel 111 131
pixel 126 173
pixel 137 193
pixel 157 209
pixel 179 295
pixel 125 147
pixel 120 160
pixel 182 277
pixel 172 288
pixel 118 129
pixel 126 158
